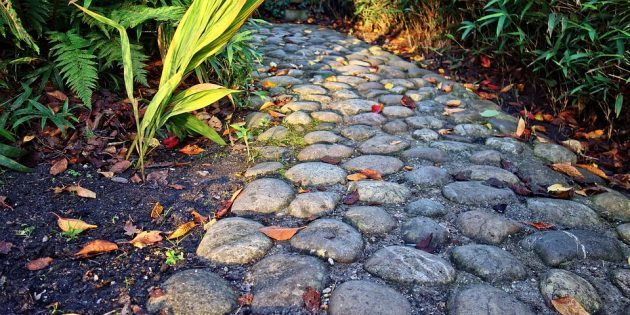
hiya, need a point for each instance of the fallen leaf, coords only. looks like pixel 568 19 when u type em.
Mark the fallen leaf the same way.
pixel 66 224
pixel 246 299
pixel 312 300
pixel 198 217
pixel 170 142
pixel 520 129
pixel 228 205
pixel 592 168
pixel 5 247
pixel 450 111
pixel 541 226
pixel 157 210
pixel 454 103
pixel 191 149
pixel 58 95
pixel 372 174
pixel 485 61
pixel 573 145
pixel 279 233
pixel 506 88
pixel 425 244
pixel 351 198
pixel 136 179
pixel 146 238
pixel 131 229
pixel 567 305
pixel 356 177
pixel 595 134
pixel 377 108
pixel 59 167
pixel 176 186
pixel 4 204
pixel 447 88
pixel 81 192
pixel 520 190
pixel 96 247
pixel 567 169
pixel 120 167
pixel 28 138
pixel 590 191
pixel 303 190
pixel 408 102
pixel 388 86
pixel 266 105
pixel 269 84
pixel 182 230
pixel 560 191
pixel 330 160
pixel 445 131
pixel 107 174
pixel 620 180
pixel 489 113
pixel 275 114
pixel 538 128
pixel 156 292
pixel 39 263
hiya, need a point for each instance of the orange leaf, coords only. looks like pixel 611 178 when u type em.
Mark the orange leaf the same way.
pixel 485 61
pixel 59 167
pixel 372 174
pixel 566 168
pixel 445 131
pixel 198 217
pixel 590 191
pixel 506 88
pixel 96 247
pixel 592 168
pixel 279 233
pixel 66 224
pixel 157 210
pixel 520 128
pixel 454 103
pixel 191 149
pixel 182 230
pixel 356 177
pixel 275 114
pixel 60 96
pixel 266 105
pixel 146 238
pixel 268 84
pixel 594 134
pixel 39 263
pixel 540 225
pixel 81 192
pixel 449 111
pixel 228 205
pixel 567 305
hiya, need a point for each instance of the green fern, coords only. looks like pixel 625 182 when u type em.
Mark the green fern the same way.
pixel 108 49
pixel 74 56
pixel 35 14
pixel 134 15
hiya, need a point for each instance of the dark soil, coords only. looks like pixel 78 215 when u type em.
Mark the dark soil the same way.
pixel 111 281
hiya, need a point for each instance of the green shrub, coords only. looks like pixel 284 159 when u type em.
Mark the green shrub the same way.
pixel 577 48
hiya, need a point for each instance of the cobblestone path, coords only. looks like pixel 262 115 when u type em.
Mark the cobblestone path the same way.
pixel 448 194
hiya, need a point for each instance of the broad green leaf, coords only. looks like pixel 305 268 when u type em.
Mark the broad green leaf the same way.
pixel 10 151
pixel 193 124
pixel 618 105
pixel 489 113
pixel 13 165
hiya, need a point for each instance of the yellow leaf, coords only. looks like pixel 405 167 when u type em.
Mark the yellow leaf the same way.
pixel 558 188
pixel 356 177
pixel 146 238
pixel 269 84
pixel 28 138
pixel 566 168
pixel 454 103
pixel 506 88
pixel 567 305
pixel 66 224
pixel 81 192
pixel 388 86
pixel 267 105
pixel 96 247
pixel 182 230
pixel 154 143
pixel 157 210
pixel 520 128
pixel 449 111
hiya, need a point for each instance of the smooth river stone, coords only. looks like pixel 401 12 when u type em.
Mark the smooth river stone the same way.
pixel 380 192
pixel 383 145
pixel 329 238
pixel 485 172
pixel 486 227
pixel 408 265
pixel 487 300
pixel 359 297
pixel 490 263
pixel 370 220
pixel 383 164
pixel 316 173
pixel 565 213
pixel 234 241
pixel 315 152
pixel 560 283
pixel 265 195
pixel 476 193
pixel 314 204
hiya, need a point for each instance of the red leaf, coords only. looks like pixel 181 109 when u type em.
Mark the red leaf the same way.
pixel 171 142
pixel 408 102
pixel 351 198
pixel 378 108
pixel 246 299
pixel 330 160
pixel 485 61
pixel 541 226
pixel 312 300
pixel 425 244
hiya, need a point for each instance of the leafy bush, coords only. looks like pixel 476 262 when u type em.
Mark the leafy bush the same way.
pixel 9 153
pixel 577 48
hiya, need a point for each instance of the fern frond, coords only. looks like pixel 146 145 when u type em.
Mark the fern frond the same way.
pixel 10 18
pixel 132 16
pixel 108 49
pixel 76 62
pixel 35 14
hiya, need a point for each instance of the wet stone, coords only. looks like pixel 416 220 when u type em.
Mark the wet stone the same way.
pixel 427 176
pixel 485 172
pixel 313 205
pixel 263 169
pixel 192 292
pixel 488 262
pixel 557 247
pixel 315 152
pixel 476 193
pixel 359 297
pixel 370 220
pixel 613 206
pixel 298 118
pixel 380 192
pixel 234 241
pixel 408 265
pixel 560 283
pixel 358 132
pixel 316 173
pixel 423 153
pixel 321 136
pixel 554 153
pixel 426 207
pixel 279 281
pixel 425 135
pixel 486 227
pixel 370 119
pixel 265 195
pixel 324 116
pixel 419 229
pixel 487 300
pixel 418 122
pixel 383 164
pixel 395 127
pixel 565 213
pixel 336 86
pixel 328 238
pixel 278 133
pixel 383 145
pixel 488 157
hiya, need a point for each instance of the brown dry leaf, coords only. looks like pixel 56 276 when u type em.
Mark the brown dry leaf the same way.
pixel 520 128
pixel 356 177
pixel 59 167
pixel 120 167
pixel 191 149
pixel 182 230
pixel 330 160
pixel 131 229
pixel 107 174
pixel 372 174
pixel 282 72
pixel 275 114
pixel 157 210
pixel 408 102
pixel 445 131
pixel 454 103
pixel 450 111
pixel 541 226
pixel 592 168
pixel 5 247
pixel 266 105
pixel 595 134
pixel 146 238
pixel 590 191
pixel 4 204
pixel 567 169
pixel 96 247
pixel 279 233
pixel 228 205
pixel 447 88
pixel 560 191
pixel 81 192
pixel 567 305
pixel 573 145
pixel 198 217
pixel 66 224
pixel 312 300
pixel 542 139
pixel 176 186
pixel 268 84
pixel 58 95
pixel 39 263
pixel 506 88
pixel 351 198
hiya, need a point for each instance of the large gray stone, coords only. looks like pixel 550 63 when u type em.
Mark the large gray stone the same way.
pixel 370 220
pixel 316 173
pixel 380 192
pixel 328 238
pixel 358 132
pixel 315 152
pixel 265 195
pixel 194 292
pixel 234 241
pixel 359 297
pixel 613 206
pixel 428 176
pixel 485 172
pixel 419 229
pixel 408 265
pixel 383 164
pixel 561 283
pixel 370 119
pixel 279 281
pixel 313 204
pixel 483 299
pixel 490 263
pixel 423 153
pixel 419 122
pixel 426 207
pixel 321 136
pixel 263 168
pixel 507 145
pixel 477 193
pixel 278 133
pixel 351 106
pixel 565 213
pixel 383 145
pixel 486 227
pixel 554 153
